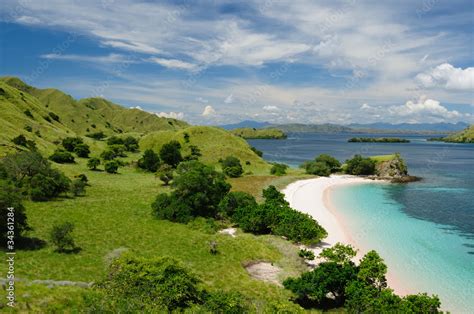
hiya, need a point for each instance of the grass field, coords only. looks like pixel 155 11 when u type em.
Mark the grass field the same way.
pixel 116 213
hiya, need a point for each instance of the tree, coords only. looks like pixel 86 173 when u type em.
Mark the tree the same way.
pixel 328 279
pixel 364 298
pixel 69 143
pixel 359 165
pixel 20 140
pixel 111 166
pixel 78 187
pixel 97 135
pixel 234 200
pixel 62 157
pixel 339 253
pixel 131 144
pixel 170 153
pixel 150 161
pixel 317 168
pixel 259 153
pixel 93 163
pixel 165 173
pixel 195 153
pixel 169 207
pixel 272 195
pixel 278 169
pixel 114 140
pixel 226 302
pixel 231 167
pixel 46 185
pixel 332 163
pixel 82 150
pixel 372 270
pixel 11 207
pixel 157 281
pixel 420 303
pixel 61 237
pixel 108 155
pixel 306 254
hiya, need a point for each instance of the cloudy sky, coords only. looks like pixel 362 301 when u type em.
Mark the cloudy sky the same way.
pixel 213 62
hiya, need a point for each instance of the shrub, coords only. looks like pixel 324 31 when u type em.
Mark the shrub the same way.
pixel 272 195
pixel 157 281
pixel 226 302
pixel 28 128
pixel 169 207
pixel 170 153
pixel 114 140
pixel 150 161
pixel 108 155
pixel 330 161
pixel 118 150
pixel 61 237
pixel 131 144
pixel 278 169
pixel 44 186
pixel 82 150
pixel 186 137
pixel 93 163
pixel 20 140
pixel 70 143
pixel 97 135
pixel 359 165
pixel 111 166
pixel 234 200
pixel 259 153
pixel 10 197
pixel 28 113
pixel 83 178
pixel 317 168
pixel 306 254
pixel 231 167
pixel 195 153
pixel 54 116
pixel 78 187
pixel 165 173
pixel 62 157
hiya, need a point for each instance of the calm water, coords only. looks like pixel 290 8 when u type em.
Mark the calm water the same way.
pixel 424 230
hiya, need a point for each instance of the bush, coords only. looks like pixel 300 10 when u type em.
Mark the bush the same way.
pixel 150 161
pixel 131 144
pixel 78 187
pixel 54 116
pixel 259 153
pixel 234 200
pixel 194 154
pixel 114 140
pixel 111 166
pixel 108 155
pixel 28 113
pixel 317 168
pixel 278 169
pixel 93 163
pixel 61 237
pixel 70 143
pixel 169 207
pixel 231 167
pixel 226 302
pixel 306 254
pixel 97 135
pixel 330 161
pixel 20 140
pixel 82 150
pixel 44 186
pixel 170 153
pixel 359 165
pixel 157 281
pixel 165 173
pixel 10 197
pixel 118 150
pixel 28 128
pixel 62 157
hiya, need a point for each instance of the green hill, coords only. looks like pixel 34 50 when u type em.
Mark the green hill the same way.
pixel 214 143
pixel 253 133
pixel 465 136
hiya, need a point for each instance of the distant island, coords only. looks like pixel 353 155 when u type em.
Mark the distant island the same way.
pixel 254 133
pixel 465 136
pixel 378 140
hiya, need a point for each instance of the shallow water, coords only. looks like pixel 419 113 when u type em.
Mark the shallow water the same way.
pixel 424 230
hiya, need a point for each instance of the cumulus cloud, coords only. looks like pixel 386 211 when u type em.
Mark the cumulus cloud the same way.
pixel 171 115
pixel 271 108
pixel 137 107
pixel 208 111
pixel 447 76
pixel 424 108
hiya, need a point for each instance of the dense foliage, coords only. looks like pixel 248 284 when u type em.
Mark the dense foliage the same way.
pixel 61 237
pixel 232 167
pixel 62 157
pixel 322 165
pixel 170 153
pixel 278 169
pixel 70 143
pixel 150 161
pixel 165 173
pixel 234 200
pixel 10 197
pixel 111 166
pixel 198 190
pixel 82 150
pixel 378 140
pixel 93 163
pixel 359 165
pixel 359 288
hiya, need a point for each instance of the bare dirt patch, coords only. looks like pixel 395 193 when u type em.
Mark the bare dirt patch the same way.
pixel 264 271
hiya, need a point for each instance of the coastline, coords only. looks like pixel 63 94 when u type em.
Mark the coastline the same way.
pixel 313 196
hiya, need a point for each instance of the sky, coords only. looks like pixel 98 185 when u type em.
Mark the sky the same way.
pixel 282 61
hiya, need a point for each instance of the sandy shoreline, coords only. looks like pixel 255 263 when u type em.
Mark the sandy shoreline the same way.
pixel 313 196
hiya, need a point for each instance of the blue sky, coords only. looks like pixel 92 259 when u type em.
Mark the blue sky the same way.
pixel 213 61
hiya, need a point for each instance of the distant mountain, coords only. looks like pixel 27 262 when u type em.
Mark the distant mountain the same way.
pixel 316 128
pixel 416 127
pixel 246 124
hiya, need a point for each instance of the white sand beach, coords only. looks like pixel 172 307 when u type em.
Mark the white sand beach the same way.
pixel 312 196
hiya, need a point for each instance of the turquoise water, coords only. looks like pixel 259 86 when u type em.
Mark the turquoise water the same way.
pixel 423 230
pixel 422 255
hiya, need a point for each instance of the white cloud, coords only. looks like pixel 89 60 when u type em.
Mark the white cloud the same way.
pixel 174 63
pixel 449 77
pixel 365 107
pixel 202 100
pixel 110 58
pixel 270 108
pixel 131 46
pixel 229 99
pixel 28 20
pixel 137 107
pixel 208 111
pixel 171 115
pixel 424 108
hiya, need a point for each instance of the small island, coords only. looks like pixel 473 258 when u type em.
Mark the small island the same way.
pixel 378 140
pixel 465 136
pixel 254 133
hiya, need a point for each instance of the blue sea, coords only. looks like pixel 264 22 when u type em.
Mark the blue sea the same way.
pixel 423 230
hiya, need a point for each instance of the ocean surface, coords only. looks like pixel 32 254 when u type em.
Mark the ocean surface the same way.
pixel 423 230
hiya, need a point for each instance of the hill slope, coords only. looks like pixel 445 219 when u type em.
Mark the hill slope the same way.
pixel 465 136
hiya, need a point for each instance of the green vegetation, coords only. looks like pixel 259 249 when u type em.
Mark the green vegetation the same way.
pixel 322 165
pixel 170 153
pixel 253 133
pixel 378 140
pixel 61 237
pixel 359 165
pixel 306 254
pixel 62 157
pixel 111 166
pixel 278 169
pixel 93 163
pixel 232 167
pixel 359 288
pixel 150 161
pixel 465 136
pixel 13 211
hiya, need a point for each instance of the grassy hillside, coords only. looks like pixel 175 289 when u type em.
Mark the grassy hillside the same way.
pixel 94 114
pixel 465 136
pixel 214 143
pixel 253 133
